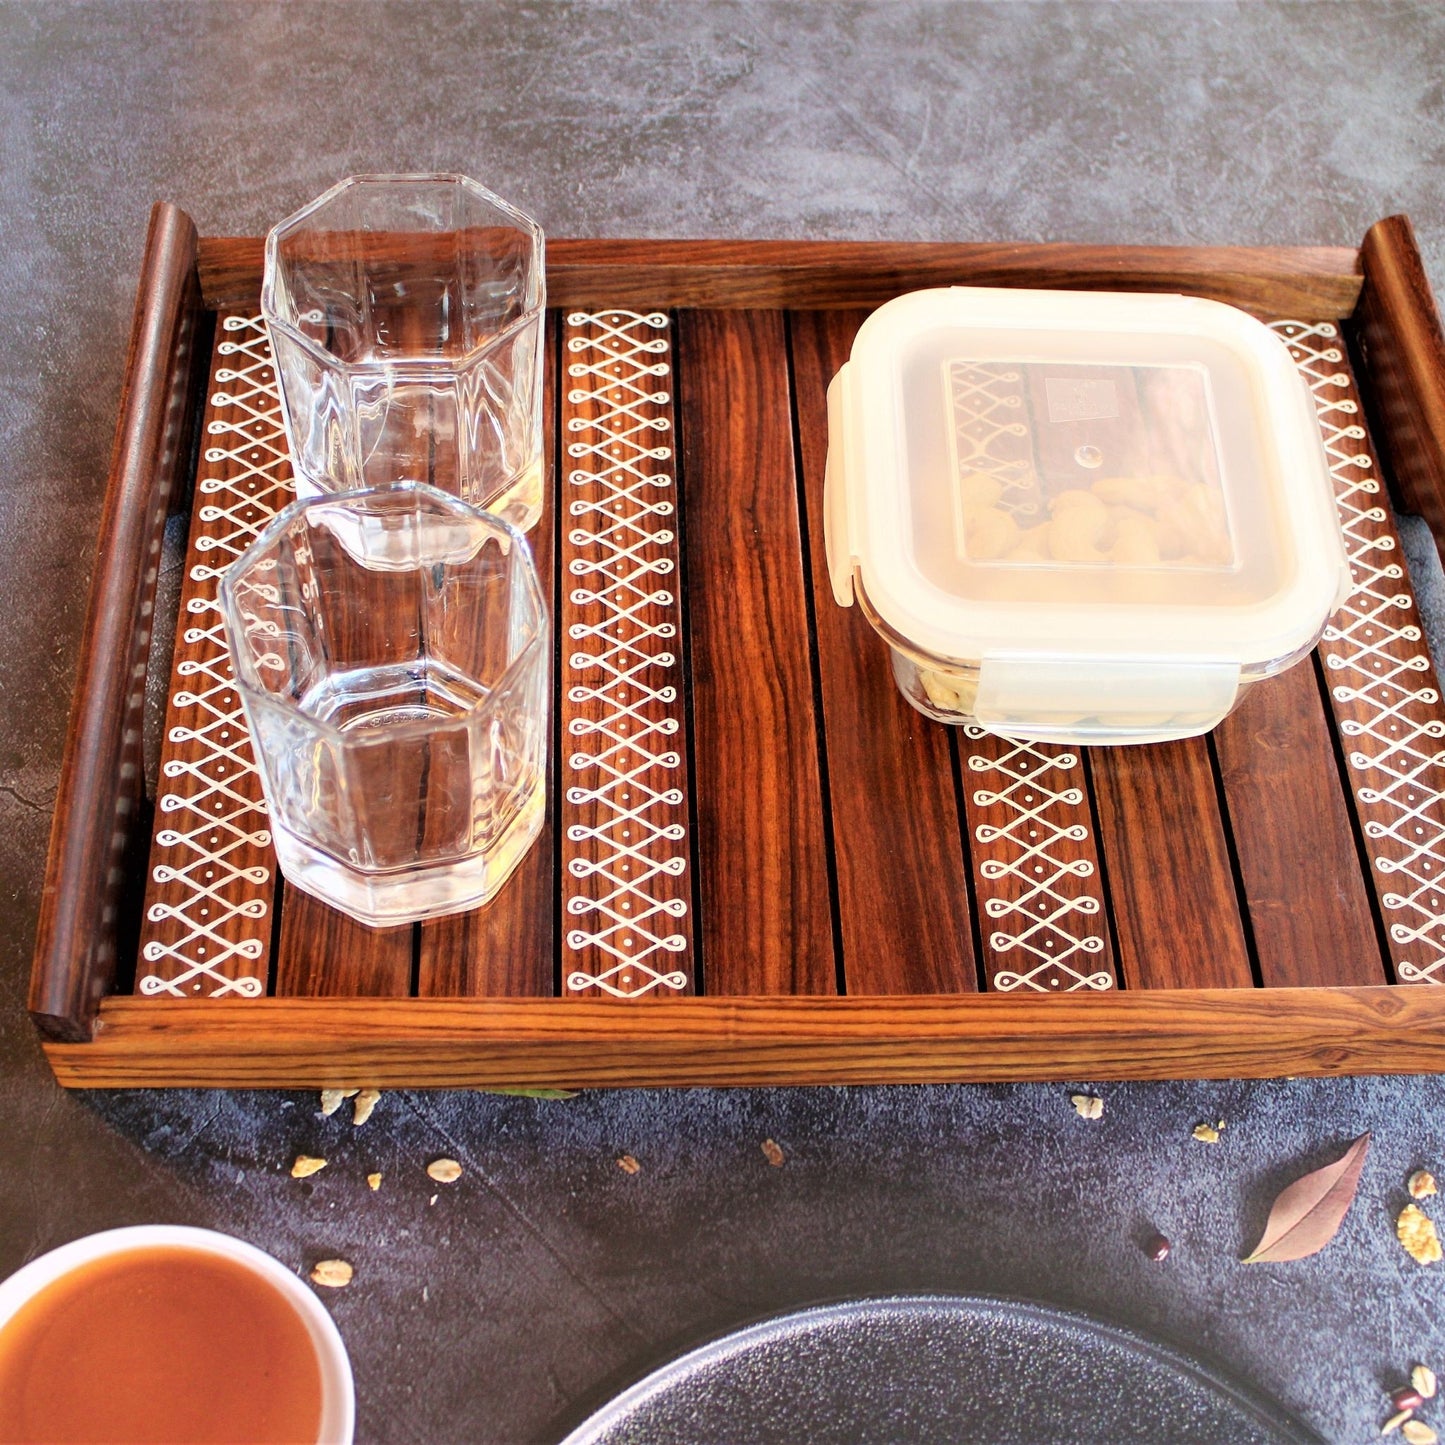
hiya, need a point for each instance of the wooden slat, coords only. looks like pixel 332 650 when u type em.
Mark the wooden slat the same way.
pixel 322 953
pixel 1167 867
pixel 1403 348
pixel 767 925
pixel 627 886
pixel 1309 906
pixel 212 871
pixel 559 1043
pixel 1268 281
pixel 1382 685
pixel 98 803
pixel 1036 865
pixel 506 948
pixel 903 907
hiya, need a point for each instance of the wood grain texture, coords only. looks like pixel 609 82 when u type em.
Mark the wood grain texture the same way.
pixel 767 926
pixel 903 906
pixel 507 947
pixel 1267 281
pixel 560 1043
pixel 322 953
pixel 211 874
pixel 1167 867
pixel 626 883
pixel 1383 690
pixel 1036 865
pixel 1397 326
pixel 1308 902
pixel 98 804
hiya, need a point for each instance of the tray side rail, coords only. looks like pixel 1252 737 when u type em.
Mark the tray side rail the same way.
pixel 1396 327
pixel 710 274
pixel 577 1043
pixel 100 802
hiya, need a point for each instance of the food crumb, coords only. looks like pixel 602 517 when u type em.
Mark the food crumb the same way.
pixel 1421 1184
pixel 306 1165
pixel 333 1273
pixel 1417 1432
pixel 1207 1133
pixel 1422 1377
pixel 773 1154
pixel 373 1182
pixel 627 1164
pixel 364 1104
pixel 1089 1106
pixel 1416 1232
pixel 331 1099
pixel 433 1199
pixel 444 1171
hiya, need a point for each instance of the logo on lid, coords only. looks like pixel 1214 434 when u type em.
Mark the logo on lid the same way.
pixel 1071 399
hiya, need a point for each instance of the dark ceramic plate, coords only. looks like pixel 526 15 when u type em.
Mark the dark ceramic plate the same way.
pixel 935 1368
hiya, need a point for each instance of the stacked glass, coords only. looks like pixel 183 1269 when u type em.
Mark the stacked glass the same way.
pixel 390 639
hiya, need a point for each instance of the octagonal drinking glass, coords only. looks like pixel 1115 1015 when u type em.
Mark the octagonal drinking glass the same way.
pixel 391 650
pixel 405 316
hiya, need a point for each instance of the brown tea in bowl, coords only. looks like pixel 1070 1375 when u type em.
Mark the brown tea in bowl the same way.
pixel 159 1344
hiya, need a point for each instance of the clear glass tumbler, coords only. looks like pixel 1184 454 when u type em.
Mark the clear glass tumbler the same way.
pixel 405 315
pixel 391 649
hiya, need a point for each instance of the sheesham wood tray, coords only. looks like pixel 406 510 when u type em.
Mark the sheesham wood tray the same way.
pixel 760 865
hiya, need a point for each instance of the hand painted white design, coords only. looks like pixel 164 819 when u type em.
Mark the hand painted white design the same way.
pixel 1037 922
pixel 1401 739
pixel 989 434
pixel 212 819
pixel 621 495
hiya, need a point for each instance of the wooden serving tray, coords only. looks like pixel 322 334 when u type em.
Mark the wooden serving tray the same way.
pixel 760 865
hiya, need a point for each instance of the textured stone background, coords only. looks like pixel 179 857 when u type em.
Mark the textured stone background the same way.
pixel 547 1278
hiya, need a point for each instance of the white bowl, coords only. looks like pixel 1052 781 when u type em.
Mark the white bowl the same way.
pixel 338 1398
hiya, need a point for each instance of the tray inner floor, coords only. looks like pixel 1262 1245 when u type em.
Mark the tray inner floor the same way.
pixel 740 801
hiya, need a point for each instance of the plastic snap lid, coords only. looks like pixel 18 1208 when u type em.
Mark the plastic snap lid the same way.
pixel 1064 475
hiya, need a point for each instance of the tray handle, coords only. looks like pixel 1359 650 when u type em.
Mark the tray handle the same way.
pixel 101 796
pixel 1397 330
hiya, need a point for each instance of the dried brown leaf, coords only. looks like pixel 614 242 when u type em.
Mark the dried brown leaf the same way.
pixel 1307 1214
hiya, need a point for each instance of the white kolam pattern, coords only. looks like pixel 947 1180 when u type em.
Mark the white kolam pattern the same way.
pixel 1045 908
pixel 1375 658
pixel 218 906
pixel 623 766
pixel 990 432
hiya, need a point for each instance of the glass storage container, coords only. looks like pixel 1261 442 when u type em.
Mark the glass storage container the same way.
pixel 1079 517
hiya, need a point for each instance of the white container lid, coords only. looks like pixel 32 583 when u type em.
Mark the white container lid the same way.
pixel 1086 494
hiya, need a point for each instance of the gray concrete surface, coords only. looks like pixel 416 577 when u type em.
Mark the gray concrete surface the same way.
pixel 547 1278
